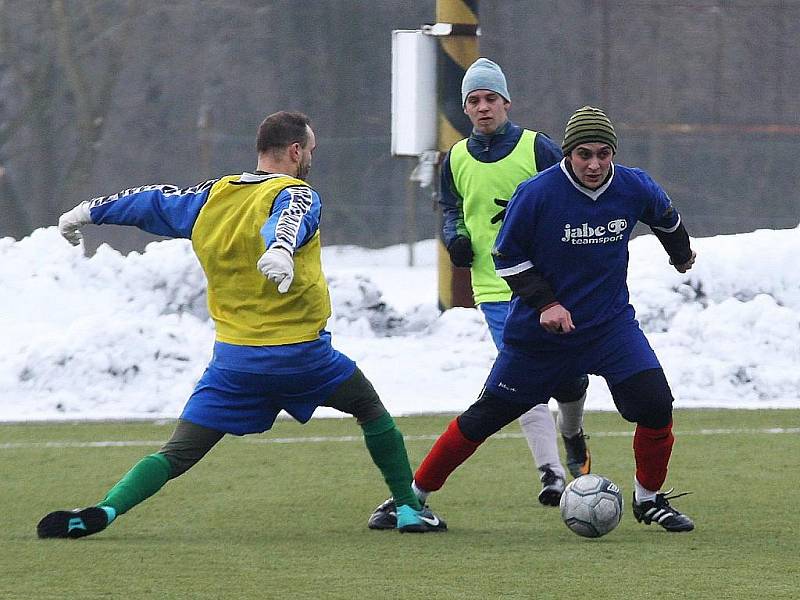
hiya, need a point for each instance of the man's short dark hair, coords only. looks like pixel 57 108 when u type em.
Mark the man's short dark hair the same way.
pixel 281 129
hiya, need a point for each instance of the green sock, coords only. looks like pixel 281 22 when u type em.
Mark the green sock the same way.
pixel 145 478
pixel 385 444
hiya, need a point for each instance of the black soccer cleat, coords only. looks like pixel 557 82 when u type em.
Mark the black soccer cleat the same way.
pixel 579 459
pixel 552 487
pixel 72 523
pixel 384 517
pixel 660 512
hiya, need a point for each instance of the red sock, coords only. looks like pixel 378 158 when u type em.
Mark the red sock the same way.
pixel 448 452
pixel 652 449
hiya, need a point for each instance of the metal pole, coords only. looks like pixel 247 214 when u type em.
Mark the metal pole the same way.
pixel 204 135
pixel 411 216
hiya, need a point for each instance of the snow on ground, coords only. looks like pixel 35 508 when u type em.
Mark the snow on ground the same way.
pixel 116 336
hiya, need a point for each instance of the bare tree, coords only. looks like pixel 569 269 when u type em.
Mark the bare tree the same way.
pixel 91 89
pixel 17 218
pixel 63 63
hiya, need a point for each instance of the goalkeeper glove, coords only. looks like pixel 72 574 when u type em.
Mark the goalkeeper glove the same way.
pixel 70 222
pixel 277 265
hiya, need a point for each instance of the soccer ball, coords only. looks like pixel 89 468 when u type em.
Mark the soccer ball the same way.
pixel 591 505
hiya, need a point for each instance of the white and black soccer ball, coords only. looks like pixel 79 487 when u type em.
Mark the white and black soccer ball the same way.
pixel 591 505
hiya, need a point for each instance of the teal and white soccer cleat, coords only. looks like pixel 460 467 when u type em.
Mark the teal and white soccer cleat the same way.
pixel 418 521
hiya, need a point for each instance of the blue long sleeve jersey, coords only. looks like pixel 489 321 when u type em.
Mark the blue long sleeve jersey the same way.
pixel 487 149
pixel 170 211
pixel 576 239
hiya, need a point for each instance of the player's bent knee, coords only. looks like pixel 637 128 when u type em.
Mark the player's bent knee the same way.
pixel 178 464
pixel 572 390
pixel 488 415
pixel 368 408
pixel 357 397
pixel 645 399
pixel 189 443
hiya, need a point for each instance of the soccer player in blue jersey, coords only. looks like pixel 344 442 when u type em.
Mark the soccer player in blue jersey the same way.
pixel 257 238
pixel 563 249
pixel 479 174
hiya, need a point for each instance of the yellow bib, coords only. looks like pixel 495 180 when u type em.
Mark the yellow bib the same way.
pixel 246 307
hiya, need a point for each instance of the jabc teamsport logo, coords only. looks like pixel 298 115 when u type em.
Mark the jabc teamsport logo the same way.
pixel 584 234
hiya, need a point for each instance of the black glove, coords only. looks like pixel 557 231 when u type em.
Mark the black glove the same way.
pixel 502 214
pixel 460 250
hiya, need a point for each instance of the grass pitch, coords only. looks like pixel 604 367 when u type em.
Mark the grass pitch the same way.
pixel 283 515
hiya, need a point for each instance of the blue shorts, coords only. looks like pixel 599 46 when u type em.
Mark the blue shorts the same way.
pixel 615 351
pixel 241 402
pixel 495 314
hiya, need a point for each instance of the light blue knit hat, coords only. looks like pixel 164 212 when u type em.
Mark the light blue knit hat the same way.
pixel 484 74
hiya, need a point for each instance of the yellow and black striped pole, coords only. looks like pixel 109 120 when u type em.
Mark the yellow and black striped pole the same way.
pixel 458 49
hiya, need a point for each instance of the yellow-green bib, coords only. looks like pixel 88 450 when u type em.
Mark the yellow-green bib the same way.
pixel 479 184
pixel 246 307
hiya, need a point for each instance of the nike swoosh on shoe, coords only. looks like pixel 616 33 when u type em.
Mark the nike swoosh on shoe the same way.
pixel 432 521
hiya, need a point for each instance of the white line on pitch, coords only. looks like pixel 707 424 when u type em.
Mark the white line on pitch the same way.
pixel 358 438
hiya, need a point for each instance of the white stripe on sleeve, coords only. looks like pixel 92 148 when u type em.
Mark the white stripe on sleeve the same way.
pixel 523 266
pixel 669 229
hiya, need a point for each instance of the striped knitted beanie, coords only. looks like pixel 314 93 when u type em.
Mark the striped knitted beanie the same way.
pixel 587 125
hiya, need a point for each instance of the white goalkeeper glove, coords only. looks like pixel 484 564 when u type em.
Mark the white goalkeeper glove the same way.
pixel 70 222
pixel 277 265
